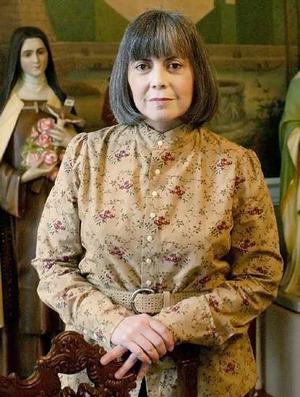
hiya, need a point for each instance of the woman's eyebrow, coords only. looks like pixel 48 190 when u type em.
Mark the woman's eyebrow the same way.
pixel 30 50
pixel 26 51
pixel 168 58
pixel 141 59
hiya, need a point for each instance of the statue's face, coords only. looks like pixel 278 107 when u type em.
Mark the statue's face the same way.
pixel 34 57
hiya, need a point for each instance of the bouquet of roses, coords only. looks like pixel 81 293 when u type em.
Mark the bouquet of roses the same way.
pixel 40 149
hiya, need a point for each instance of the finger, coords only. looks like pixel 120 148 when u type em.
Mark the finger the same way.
pixel 57 128
pixel 156 341
pixel 115 353
pixel 147 347
pixel 138 352
pixel 143 371
pixel 44 169
pixel 164 332
pixel 56 135
pixel 128 364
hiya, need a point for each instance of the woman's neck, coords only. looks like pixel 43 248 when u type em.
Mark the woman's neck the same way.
pixel 33 88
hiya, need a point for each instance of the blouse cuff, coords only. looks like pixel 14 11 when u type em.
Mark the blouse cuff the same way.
pixel 196 313
pixel 100 324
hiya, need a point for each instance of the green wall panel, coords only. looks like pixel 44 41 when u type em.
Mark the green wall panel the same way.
pixel 228 23
pixel 209 27
pixel 255 24
pixel 72 20
pixel 219 26
pixel 278 21
pixel 110 25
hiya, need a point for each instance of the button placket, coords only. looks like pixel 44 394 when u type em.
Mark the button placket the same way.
pixel 149 250
pixel 155 170
pixel 161 161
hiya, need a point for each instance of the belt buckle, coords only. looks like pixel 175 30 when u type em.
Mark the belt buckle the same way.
pixel 135 293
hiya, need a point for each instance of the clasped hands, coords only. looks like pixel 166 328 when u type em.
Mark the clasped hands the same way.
pixel 144 338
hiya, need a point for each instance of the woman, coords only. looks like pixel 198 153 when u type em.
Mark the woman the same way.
pixel 25 182
pixel 165 232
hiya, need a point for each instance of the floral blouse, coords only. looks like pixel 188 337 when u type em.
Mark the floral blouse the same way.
pixel 183 210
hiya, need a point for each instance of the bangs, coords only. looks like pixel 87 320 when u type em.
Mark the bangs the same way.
pixel 158 39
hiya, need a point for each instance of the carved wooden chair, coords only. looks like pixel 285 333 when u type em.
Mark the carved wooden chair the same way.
pixel 70 354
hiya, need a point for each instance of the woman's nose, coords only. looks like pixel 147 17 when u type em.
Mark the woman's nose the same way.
pixel 158 77
pixel 35 57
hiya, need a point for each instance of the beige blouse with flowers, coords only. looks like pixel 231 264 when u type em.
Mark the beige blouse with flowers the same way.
pixel 184 210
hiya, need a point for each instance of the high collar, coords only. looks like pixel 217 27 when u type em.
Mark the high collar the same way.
pixel 177 136
pixel 33 88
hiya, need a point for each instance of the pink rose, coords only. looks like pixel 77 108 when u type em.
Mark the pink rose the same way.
pixel 50 157
pixel 32 160
pixel 46 124
pixel 34 133
pixel 44 140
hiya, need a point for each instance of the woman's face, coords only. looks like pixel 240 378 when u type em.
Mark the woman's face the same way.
pixel 34 57
pixel 162 89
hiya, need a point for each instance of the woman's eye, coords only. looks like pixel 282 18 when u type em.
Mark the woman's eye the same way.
pixel 26 54
pixel 175 65
pixel 142 67
pixel 42 51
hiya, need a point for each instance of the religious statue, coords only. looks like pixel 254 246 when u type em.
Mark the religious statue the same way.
pixel 35 127
pixel 290 185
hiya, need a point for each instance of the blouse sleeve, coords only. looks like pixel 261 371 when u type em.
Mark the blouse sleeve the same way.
pixel 10 180
pixel 255 269
pixel 59 251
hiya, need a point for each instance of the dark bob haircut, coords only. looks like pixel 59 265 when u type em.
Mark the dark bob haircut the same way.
pixel 14 70
pixel 159 33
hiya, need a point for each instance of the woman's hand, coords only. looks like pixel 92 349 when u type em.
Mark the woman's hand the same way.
pixel 146 338
pixel 36 172
pixel 62 134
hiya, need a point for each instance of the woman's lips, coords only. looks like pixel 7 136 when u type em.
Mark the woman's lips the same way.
pixel 160 99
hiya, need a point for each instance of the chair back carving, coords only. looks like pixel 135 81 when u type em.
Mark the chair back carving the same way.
pixel 70 354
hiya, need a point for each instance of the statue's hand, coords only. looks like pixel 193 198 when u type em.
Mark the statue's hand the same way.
pixel 36 172
pixel 62 134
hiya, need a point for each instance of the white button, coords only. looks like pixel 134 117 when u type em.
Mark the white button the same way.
pixel 148 283
pixel 152 215
pixel 148 260
pixel 154 193
pixel 157 171
pixel 84 332
pixel 149 238
pixel 160 143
